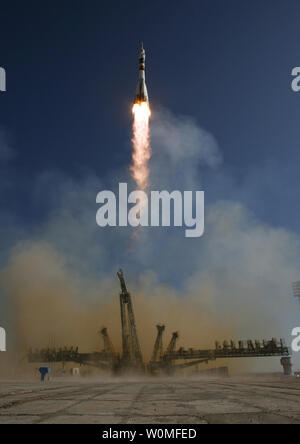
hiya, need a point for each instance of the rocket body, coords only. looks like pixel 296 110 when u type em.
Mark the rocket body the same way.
pixel 141 94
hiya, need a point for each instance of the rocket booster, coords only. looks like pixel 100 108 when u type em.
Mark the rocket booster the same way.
pixel 141 94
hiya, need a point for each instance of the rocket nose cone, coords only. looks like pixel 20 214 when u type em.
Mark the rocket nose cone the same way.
pixel 142 50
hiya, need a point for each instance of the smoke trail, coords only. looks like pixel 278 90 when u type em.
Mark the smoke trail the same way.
pixel 233 283
pixel 141 144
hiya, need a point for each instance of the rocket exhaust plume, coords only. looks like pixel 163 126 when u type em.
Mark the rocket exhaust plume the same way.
pixel 141 130
pixel 141 144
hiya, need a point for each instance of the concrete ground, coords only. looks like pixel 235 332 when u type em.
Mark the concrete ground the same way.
pixel 152 401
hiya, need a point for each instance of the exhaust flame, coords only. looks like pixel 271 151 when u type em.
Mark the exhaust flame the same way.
pixel 141 144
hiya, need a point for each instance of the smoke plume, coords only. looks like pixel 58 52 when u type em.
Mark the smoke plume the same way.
pixel 232 283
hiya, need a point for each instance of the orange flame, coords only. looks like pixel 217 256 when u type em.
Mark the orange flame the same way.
pixel 141 144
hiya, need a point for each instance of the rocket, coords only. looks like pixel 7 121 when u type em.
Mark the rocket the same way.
pixel 141 94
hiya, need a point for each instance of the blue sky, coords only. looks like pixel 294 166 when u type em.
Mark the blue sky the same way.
pixel 71 70
pixel 213 67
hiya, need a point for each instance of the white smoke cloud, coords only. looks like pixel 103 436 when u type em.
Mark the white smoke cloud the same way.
pixel 235 280
pixel 180 148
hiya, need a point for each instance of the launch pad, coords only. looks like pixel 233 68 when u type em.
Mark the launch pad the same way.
pixel 162 361
pixel 255 399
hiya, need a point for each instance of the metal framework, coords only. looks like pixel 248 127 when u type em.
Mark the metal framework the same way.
pixel 251 350
pixel 191 357
pixel 158 345
pixel 173 342
pixel 132 354
pixel 108 346
pixel 96 359
pixel 167 361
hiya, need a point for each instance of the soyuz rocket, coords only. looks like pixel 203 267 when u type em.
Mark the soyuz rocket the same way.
pixel 141 94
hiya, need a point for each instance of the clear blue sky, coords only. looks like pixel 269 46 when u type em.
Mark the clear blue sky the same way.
pixel 71 74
